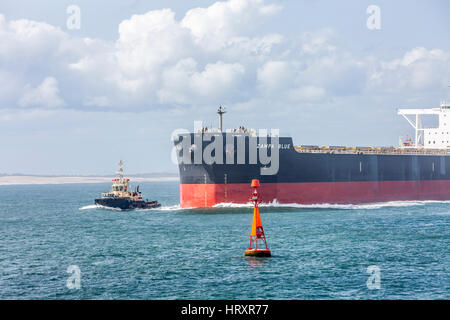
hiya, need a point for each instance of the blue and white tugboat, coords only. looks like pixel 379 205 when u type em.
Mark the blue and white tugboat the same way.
pixel 122 197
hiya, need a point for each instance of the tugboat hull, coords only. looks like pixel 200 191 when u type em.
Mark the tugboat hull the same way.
pixel 122 197
pixel 126 203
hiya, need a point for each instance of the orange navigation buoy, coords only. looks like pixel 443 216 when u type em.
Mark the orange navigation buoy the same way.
pixel 258 245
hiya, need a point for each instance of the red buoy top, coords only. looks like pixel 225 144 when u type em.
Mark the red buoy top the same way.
pixel 255 183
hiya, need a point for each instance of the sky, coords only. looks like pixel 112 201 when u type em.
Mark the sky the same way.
pixel 81 91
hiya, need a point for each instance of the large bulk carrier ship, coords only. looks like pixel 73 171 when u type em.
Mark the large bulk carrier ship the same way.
pixel 416 170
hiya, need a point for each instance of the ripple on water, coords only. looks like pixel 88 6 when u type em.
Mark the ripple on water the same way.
pixel 319 251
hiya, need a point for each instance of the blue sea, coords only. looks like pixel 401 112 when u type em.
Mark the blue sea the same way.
pixel 395 250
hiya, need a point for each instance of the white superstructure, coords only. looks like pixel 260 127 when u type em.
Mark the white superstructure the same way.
pixel 429 138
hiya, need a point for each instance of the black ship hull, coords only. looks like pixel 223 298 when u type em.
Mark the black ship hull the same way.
pixel 126 203
pixel 319 177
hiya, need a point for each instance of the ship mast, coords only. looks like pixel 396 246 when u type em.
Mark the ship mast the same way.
pixel 121 170
pixel 220 112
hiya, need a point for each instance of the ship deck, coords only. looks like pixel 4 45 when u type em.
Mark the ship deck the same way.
pixel 371 150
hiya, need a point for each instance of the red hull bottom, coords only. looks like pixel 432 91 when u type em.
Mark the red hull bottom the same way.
pixel 208 195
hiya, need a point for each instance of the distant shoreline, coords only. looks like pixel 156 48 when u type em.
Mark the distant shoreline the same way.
pixel 25 180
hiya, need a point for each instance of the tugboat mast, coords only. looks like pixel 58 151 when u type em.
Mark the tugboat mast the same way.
pixel 120 196
pixel 121 170
pixel 220 112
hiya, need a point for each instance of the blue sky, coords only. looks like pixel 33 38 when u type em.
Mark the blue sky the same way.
pixel 77 101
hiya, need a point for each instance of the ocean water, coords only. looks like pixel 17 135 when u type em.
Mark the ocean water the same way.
pixel 319 252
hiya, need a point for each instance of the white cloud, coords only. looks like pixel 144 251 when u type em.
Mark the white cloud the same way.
pixel 307 93
pixel 259 47
pixel 10 88
pixel 210 56
pixel 45 95
pixel 153 44
pixel 418 69
pixel 317 42
pixel 24 39
pixel 101 101
pixel 320 66
pixel 147 42
pixel 214 26
pixel 183 83
pixel 275 76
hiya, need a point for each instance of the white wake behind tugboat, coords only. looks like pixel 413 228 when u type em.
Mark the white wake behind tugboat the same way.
pixel 122 197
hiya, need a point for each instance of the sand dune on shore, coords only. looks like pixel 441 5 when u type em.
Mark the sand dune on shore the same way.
pixel 20 180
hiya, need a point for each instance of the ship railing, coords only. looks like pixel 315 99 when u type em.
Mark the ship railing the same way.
pixel 245 131
pixel 369 150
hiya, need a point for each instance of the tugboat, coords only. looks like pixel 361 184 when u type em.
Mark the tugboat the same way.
pixel 121 197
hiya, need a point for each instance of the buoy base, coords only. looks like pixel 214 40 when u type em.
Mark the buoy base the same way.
pixel 258 253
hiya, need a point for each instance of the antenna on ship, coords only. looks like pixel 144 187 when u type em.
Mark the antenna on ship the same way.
pixel 121 169
pixel 220 112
